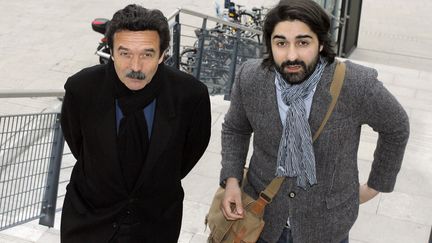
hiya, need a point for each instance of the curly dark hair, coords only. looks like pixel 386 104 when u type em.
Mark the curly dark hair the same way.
pixel 137 18
pixel 306 11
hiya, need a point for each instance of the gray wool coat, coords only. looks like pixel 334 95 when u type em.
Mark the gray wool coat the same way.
pixel 326 211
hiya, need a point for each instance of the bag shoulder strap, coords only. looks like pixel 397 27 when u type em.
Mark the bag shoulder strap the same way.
pixel 338 78
pixel 335 88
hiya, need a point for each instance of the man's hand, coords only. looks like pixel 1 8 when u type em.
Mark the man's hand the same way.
pixel 367 193
pixel 231 206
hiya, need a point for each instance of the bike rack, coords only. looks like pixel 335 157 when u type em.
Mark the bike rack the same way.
pixel 210 48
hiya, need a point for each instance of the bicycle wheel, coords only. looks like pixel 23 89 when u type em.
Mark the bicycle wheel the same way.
pixel 187 60
pixel 248 19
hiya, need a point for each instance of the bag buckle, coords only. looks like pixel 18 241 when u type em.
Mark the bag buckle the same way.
pixel 266 198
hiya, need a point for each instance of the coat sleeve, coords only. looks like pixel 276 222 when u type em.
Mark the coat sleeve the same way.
pixel 70 122
pixel 198 135
pixel 385 115
pixel 236 133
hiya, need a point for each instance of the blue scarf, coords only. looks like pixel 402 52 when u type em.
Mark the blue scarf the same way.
pixel 295 156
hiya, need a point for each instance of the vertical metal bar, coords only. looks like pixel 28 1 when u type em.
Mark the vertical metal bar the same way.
pixel 13 173
pixel 233 65
pixel 200 52
pixel 3 139
pixel 25 169
pixel 176 41
pixel 10 172
pixel 18 176
pixel 23 178
pixel 335 25
pixel 20 161
pixel 344 18
pixel 49 208
pixel 35 164
pixel 47 155
pixel 40 167
pixel 6 174
pixel 430 237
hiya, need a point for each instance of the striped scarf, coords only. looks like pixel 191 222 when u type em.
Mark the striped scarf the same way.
pixel 295 156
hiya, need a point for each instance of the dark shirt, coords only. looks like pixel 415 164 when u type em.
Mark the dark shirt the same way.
pixel 148 114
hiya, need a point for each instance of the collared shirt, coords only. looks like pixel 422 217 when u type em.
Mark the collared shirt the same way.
pixel 283 108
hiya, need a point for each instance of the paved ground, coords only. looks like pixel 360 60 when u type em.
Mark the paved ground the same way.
pixel 43 42
pixel 396 33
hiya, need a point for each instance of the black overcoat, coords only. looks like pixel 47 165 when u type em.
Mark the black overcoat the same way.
pixel 97 202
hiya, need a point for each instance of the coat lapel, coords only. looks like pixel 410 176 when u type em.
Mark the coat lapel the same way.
pixel 321 99
pixel 271 109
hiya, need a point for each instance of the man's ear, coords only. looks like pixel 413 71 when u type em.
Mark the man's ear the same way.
pixel 111 54
pixel 162 57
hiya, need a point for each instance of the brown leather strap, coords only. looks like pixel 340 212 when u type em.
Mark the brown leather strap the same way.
pixel 271 190
pixel 335 88
pixel 267 195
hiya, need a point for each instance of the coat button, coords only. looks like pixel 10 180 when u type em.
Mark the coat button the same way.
pixel 128 212
pixel 114 225
pixel 292 194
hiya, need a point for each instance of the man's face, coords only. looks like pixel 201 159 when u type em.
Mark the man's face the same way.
pixel 136 57
pixel 295 50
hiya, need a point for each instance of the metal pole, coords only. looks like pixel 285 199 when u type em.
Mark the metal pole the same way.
pixel 344 20
pixel 335 26
pixel 176 42
pixel 50 198
pixel 233 65
pixel 200 52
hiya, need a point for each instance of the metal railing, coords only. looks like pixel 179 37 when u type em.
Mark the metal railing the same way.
pixel 210 48
pixel 31 149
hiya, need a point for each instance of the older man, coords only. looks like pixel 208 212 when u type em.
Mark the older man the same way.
pixel 136 128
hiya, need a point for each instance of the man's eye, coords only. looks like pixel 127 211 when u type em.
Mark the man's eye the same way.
pixel 303 43
pixel 124 53
pixel 146 55
pixel 281 43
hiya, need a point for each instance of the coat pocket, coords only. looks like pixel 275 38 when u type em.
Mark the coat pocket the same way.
pixel 334 199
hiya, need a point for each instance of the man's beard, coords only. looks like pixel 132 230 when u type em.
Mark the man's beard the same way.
pixel 299 77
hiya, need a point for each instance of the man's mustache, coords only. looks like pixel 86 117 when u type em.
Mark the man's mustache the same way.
pixel 136 75
pixel 293 63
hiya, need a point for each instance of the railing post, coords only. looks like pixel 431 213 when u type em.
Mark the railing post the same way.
pixel 334 25
pixel 344 21
pixel 50 197
pixel 176 41
pixel 200 52
pixel 233 65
